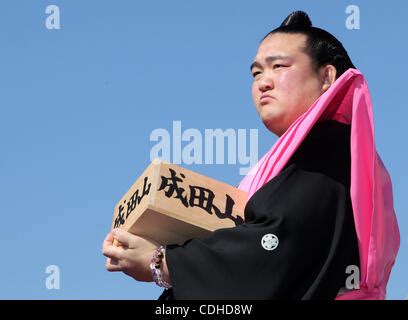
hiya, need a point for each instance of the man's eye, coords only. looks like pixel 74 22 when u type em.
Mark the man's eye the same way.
pixel 275 66
pixel 254 74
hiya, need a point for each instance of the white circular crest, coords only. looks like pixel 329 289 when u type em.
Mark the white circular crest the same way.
pixel 269 241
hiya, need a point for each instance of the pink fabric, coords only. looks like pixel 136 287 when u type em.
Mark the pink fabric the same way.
pixel 348 101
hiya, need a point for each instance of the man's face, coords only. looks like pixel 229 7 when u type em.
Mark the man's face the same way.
pixel 285 84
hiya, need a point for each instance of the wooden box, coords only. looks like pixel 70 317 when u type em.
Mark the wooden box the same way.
pixel 170 204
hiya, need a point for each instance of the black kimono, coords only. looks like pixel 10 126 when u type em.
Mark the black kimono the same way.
pixel 297 240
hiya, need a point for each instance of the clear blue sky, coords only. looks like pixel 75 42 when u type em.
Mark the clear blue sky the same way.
pixel 78 106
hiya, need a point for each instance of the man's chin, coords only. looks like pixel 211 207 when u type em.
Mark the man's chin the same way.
pixel 271 123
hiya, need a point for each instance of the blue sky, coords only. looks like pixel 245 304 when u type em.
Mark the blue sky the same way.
pixel 78 105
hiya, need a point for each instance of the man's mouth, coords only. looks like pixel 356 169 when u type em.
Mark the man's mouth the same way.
pixel 265 98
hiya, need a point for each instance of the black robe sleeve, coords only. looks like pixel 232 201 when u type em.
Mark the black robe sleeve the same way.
pixel 306 209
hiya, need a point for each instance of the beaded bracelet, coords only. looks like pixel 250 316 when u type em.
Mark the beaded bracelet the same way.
pixel 155 264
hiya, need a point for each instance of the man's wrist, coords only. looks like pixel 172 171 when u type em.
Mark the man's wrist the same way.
pixel 158 268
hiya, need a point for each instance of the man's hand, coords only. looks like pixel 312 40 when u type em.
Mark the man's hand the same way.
pixel 132 255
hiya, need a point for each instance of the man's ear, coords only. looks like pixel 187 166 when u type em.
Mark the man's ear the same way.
pixel 328 75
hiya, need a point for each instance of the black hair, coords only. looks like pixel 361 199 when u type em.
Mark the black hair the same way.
pixel 322 47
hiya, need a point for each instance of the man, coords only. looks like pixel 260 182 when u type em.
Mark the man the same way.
pixel 307 218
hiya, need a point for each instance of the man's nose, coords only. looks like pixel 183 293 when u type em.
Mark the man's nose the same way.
pixel 265 84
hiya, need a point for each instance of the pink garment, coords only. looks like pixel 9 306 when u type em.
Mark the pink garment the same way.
pixel 348 101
